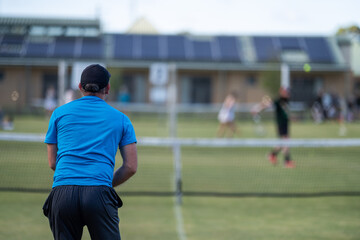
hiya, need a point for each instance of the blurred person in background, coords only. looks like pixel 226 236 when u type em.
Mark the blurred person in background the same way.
pixel 317 108
pixel 351 108
pixel 82 141
pixel 69 95
pixel 1 118
pixel 50 101
pixel 226 116
pixel 124 95
pixel 282 120
pixel 6 120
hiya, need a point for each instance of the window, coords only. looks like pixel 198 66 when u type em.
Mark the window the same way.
pixel 303 89
pixel 55 31
pixel 136 87
pixel 195 90
pixel 91 32
pixel 37 30
pixel 1 76
pixel 74 31
pixel 251 81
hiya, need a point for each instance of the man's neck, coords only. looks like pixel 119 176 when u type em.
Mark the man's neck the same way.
pixel 99 95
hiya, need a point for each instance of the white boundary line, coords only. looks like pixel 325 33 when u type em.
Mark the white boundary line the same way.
pixel 179 221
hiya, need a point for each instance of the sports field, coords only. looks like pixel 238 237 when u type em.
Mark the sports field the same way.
pixel 199 126
pixel 153 218
pixel 214 182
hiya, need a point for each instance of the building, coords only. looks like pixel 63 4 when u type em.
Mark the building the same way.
pixel 32 52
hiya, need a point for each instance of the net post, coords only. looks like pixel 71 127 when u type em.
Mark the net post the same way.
pixel 285 75
pixel 177 168
pixel 176 148
pixel 172 106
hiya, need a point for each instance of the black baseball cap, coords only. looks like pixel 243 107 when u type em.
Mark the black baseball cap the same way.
pixel 95 74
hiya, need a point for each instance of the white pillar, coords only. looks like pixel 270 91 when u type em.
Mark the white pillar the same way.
pixel 285 75
pixel 62 76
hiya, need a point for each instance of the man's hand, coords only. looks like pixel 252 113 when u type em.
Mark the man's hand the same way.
pixel 129 167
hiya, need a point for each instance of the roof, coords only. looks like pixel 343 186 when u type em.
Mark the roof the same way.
pixel 140 49
pixel 49 21
pixel 142 26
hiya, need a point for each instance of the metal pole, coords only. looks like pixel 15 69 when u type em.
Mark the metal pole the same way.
pixel 172 110
pixel 62 75
pixel 172 96
pixel 285 75
pixel 177 166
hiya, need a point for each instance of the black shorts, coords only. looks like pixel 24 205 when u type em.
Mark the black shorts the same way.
pixel 70 208
pixel 283 129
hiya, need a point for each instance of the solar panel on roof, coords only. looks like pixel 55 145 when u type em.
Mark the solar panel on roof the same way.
pixel 228 47
pixel 37 50
pixel 64 47
pixel 173 47
pixel 12 39
pixel 10 51
pixel 91 48
pixel 289 43
pixel 123 46
pixel 150 47
pixel 265 49
pixel 176 47
pixel 201 50
pixel 318 50
pixel 11 45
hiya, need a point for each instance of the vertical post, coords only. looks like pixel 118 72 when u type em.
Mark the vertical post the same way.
pixel 172 110
pixel 285 75
pixel 177 166
pixel 28 85
pixel 348 84
pixel 62 75
pixel 172 96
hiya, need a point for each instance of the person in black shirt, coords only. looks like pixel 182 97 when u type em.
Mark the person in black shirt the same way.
pixel 282 119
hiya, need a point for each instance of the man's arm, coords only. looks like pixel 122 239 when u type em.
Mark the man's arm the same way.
pixel 265 103
pixel 129 167
pixel 52 152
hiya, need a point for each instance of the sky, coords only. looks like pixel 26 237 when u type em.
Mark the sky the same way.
pixel 201 17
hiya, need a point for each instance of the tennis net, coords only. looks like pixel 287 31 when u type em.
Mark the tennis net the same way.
pixel 218 167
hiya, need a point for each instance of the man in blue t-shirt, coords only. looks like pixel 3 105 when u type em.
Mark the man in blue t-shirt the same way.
pixel 82 141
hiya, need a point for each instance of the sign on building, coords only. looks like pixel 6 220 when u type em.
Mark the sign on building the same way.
pixel 158 79
pixel 159 74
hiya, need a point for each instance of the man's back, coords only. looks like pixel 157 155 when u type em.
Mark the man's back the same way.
pixel 88 133
pixel 82 141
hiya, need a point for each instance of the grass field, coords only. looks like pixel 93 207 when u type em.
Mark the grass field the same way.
pixel 205 127
pixel 205 170
pixel 153 218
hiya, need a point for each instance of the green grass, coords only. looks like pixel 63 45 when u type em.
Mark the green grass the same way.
pixel 150 218
pixel 272 219
pixel 204 127
pixel 216 170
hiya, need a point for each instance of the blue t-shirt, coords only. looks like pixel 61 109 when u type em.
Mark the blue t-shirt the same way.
pixel 88 132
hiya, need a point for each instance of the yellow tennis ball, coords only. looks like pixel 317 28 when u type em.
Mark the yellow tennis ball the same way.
pixel 307 67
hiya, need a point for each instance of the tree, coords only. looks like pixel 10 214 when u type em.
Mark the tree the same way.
pixel 271 82
pixel 115 82
pixel 350 30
